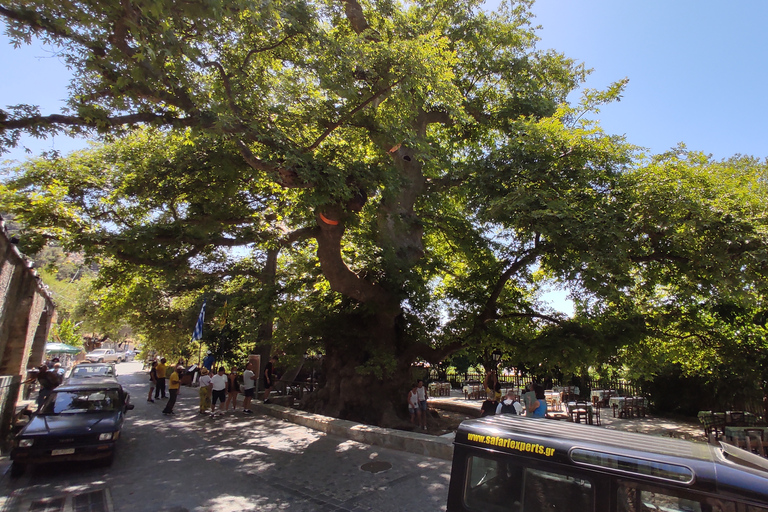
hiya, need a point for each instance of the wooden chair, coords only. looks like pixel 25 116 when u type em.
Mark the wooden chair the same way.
pixel 581 411
pixel 737 419
pixel 596 415
pixel 754 445
pixel 639 407
pixel 627 408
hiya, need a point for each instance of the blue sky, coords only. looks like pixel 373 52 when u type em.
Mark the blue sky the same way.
pixel 698 69
pixel 698 72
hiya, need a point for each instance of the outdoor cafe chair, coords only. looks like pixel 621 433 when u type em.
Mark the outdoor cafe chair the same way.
pixel 639 408
pixel 737 419
pixel 627 408
pixel 596 414
pixel 580 410
pixel 754 445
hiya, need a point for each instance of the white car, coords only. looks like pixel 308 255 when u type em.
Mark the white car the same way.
pixel 105 355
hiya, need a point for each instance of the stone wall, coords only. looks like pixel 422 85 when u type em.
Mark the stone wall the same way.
pixel 26 315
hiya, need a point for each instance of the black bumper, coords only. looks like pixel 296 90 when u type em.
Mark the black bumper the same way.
pixel 45 455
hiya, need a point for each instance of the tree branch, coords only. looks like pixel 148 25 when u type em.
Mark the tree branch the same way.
pixel 354 111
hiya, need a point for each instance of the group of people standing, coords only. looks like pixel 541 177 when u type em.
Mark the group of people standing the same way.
pixel 214 388
pixel 158 375
pixel 417 404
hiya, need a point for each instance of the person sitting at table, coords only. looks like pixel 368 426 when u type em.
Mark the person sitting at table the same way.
pixel 538 407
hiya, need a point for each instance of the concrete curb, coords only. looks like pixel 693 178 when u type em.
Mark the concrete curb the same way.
pixel 420 444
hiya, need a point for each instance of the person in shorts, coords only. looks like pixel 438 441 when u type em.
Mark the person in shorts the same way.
pixel 413 405
pixel 218 390
pixel 421 394
pixel 249 387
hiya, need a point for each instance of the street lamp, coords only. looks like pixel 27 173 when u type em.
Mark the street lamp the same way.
pixel 496 355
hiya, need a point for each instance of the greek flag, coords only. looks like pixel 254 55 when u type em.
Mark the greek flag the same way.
pixel 198 332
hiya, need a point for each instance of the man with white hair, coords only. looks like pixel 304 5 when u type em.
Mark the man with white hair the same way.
pixel 509 405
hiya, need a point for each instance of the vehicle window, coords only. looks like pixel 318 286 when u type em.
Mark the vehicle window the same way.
pixel 71 402
pixel 633 499
pixel 547 491
pixel 93 371
pixel 507 486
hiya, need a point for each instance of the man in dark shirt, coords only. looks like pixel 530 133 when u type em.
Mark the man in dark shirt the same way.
pixel 269 381
pixel 48 381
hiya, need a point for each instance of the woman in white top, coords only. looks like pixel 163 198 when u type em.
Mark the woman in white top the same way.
pixel 413 405
pixel 218 390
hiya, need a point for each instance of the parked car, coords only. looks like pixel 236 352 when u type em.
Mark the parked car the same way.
pixel 78 421
pixel 105 355
pixel 91 370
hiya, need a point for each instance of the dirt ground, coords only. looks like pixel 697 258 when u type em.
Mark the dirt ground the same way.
pixel 441 421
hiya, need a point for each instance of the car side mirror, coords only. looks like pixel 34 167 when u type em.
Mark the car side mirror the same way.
pixel 129 407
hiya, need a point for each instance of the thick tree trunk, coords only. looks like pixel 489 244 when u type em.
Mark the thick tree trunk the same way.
pixel 364 376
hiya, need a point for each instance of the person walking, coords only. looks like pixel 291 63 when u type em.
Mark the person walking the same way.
pixel 269 379
pixel 421 394
pixel 233 389
pixel 174 383
pixel 152 381
pixel 161 372
pixel 413 405
pixel 205 391
pixel 249 387
pixel 218 390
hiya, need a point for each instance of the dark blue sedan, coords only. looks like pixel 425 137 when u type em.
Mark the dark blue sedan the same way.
pixel 78 421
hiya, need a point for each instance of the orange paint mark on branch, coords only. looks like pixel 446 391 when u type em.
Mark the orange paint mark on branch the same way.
pixel 328 221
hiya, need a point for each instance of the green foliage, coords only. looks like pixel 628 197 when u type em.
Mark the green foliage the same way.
pixel 378 183
pixel 68 333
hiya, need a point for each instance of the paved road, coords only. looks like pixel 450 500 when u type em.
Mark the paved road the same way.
pixel 191 462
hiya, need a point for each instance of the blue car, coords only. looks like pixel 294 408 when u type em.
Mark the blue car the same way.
pixel 78 421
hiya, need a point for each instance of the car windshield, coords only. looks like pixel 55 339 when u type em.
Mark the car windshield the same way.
pixel 82 401
pixel 80 372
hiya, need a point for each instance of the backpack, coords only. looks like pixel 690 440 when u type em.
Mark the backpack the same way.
pixel 508 409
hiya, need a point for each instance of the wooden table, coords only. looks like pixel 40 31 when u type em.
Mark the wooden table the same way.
pixel 716 422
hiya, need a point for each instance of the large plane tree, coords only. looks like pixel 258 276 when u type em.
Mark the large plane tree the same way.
pixel 384 182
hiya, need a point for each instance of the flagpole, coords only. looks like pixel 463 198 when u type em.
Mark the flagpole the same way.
pixel 197 333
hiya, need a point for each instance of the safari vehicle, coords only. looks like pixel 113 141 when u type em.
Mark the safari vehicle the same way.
pixel 78 421
pixel 516 464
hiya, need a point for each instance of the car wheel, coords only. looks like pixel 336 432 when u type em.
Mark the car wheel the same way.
pixel 17 469
pixel 101 360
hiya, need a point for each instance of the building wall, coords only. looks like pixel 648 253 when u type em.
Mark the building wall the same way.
pixel 26 315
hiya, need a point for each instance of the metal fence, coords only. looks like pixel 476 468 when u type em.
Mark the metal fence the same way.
pixel 623 387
